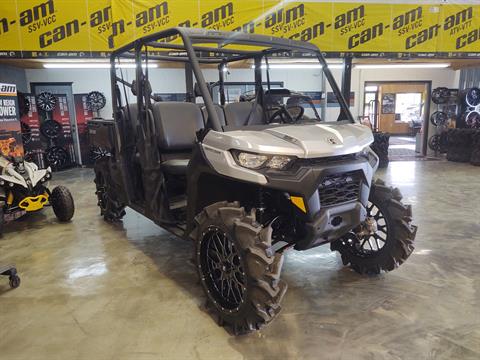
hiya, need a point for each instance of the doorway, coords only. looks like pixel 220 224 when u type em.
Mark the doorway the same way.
pixel 401 109
pixel 64 89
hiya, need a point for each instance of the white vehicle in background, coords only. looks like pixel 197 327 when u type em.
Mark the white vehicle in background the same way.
pixel 24 189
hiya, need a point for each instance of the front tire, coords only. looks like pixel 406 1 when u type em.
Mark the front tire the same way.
pixel 390 245
pixel 62 203
pixel 238 269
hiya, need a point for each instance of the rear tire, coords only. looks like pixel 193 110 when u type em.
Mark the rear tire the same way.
pixel 110 208
pixel 62 203
pixel 238 269
pixel 388 247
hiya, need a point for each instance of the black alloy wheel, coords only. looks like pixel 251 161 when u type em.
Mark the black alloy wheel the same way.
pixel 96 100
pixel 368 245
pixel 26 132
pixel 57 157
pixel 46 101
pixel 222 269
pixel 51 129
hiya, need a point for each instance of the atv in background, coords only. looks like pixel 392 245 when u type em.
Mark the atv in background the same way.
pixel 244 180
pixel 24 189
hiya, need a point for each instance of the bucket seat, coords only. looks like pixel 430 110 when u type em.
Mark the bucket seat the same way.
pixel 176 125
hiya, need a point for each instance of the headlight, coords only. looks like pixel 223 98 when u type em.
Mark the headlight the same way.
pixel 279 162
pixel 251 161
pixel 365 151
pixel 258 161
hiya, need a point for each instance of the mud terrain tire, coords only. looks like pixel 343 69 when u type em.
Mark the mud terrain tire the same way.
pixel 399 234
pixel 256 288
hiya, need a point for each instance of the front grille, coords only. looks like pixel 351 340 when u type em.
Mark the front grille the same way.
pixel 339 189
pixel 326 160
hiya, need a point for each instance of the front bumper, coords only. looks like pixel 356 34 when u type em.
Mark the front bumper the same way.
pixel 327 217
pixel 33 203
pixel 331 223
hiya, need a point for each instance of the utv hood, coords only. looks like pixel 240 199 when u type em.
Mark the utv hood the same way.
pixel 303 141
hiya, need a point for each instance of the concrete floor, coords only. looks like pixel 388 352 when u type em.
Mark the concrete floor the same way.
pixel 91 290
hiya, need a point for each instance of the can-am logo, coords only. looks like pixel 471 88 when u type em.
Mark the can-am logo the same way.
pixel 6 89
pixel 332 141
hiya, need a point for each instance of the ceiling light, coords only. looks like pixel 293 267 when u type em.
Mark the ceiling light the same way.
pixel 402 66
pixel 299 66
pixel 92 66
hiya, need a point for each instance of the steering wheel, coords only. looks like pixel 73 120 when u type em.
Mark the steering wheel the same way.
pixel 287 114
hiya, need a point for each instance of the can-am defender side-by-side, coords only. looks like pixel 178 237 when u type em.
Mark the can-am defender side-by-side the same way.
pixel 24 189
pixel 244 180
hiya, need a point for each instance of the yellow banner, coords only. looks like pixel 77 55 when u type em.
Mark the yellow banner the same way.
pixel 93 28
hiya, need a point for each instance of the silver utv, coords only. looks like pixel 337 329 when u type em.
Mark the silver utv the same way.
pixel 243 180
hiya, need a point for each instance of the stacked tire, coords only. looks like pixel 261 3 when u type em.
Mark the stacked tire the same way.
pixel 460 145
pixel 381 142
pixel 475 158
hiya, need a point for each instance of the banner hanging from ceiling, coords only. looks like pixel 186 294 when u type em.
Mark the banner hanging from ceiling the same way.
pixel 93 28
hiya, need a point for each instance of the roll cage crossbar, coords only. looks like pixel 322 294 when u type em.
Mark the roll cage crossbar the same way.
pixel 190 52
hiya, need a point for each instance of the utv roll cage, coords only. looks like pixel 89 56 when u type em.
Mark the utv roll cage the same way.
pixel 218 49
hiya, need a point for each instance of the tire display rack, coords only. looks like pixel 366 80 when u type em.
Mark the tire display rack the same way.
pixel 87 107
pixel 442 118
pixel 47 131
pixel 30 125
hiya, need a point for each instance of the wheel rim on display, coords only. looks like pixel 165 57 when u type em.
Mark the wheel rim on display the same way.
pixel 51 129
pixel 96 100
pixel 440 95
pixel 26 132
pixel 472 119
pixel 439 118
pixel 56 156
pixel 370 244
pixel 222 270
pixel 23 104
pixel 46 101
pixel 434 142
pixel 97 152
pixel 472 97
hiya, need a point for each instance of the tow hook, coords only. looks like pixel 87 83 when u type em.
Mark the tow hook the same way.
pixel 368 227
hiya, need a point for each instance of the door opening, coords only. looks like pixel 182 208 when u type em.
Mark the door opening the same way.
pixel 401 109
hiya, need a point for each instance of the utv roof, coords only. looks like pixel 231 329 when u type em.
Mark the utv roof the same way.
pixel 213 46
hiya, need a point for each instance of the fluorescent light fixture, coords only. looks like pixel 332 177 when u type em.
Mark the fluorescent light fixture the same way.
pixel 92 66
pixel 402 66
pixel 299 66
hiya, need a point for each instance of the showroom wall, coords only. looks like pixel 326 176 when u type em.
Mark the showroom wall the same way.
pixel 173 80
pixel 14 75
